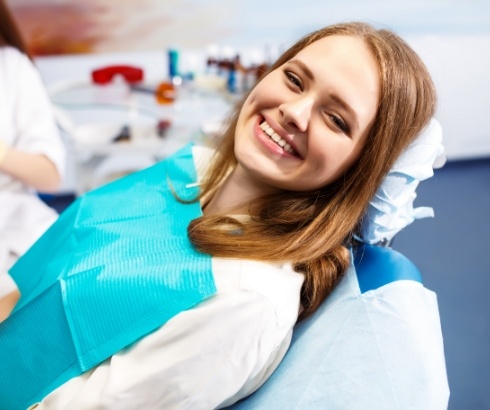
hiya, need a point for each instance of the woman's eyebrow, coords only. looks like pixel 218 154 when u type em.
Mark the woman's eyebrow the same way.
pixel 304 68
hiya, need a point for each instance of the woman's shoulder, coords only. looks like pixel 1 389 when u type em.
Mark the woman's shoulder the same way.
pixel 202 152
pixel 202 155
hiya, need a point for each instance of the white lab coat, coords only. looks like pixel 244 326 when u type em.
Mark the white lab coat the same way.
pixel 26 123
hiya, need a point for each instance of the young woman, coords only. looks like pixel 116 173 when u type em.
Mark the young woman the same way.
pixel 272 224
pixel 31 154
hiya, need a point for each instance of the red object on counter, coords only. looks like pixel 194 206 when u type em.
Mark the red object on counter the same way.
pixel 105 75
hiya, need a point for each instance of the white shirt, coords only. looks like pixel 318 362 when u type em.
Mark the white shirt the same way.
pixel 26 123
pixel 204 358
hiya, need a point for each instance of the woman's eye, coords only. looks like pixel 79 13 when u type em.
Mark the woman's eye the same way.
pixel 293 79
pixel 340 123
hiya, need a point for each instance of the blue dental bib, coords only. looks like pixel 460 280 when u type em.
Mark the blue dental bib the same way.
pixel 115 266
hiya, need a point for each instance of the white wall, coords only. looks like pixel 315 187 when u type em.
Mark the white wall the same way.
pixel 460 66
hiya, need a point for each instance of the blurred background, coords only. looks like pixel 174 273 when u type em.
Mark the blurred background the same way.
pixel 181 42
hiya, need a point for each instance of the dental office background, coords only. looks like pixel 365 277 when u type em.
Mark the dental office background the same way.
pixel 71 38
pixel 453 37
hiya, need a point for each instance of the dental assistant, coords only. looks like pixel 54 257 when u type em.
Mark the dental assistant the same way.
pixel 32 154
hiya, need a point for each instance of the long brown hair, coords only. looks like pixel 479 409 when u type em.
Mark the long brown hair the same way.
pixel 10 34
pixel 313 229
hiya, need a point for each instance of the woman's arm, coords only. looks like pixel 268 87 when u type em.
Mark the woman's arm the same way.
pixel 204 358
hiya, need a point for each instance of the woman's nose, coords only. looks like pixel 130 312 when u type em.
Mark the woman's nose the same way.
pixel 297 113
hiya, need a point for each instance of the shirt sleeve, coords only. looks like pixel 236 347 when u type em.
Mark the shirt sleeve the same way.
pixel 204 358
pixel 37 131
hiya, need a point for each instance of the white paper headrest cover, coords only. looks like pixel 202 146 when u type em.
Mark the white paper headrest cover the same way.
pixel 391 208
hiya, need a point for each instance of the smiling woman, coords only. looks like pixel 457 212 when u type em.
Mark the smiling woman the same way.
pixel 311 223
pixel 185 295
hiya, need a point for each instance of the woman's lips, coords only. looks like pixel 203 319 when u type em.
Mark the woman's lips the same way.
pixel 277 139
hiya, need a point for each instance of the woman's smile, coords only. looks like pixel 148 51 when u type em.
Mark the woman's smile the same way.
pixel 270 137
pixel 281 142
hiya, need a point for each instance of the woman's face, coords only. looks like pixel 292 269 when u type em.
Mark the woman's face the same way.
pixel 306 122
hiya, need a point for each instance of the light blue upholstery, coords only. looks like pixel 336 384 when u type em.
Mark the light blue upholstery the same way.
pixel 375 343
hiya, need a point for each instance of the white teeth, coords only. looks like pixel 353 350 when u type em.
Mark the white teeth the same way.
pixel 276 138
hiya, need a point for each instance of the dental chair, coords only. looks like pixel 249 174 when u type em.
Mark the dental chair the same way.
pixel 376 341
pixel 374 344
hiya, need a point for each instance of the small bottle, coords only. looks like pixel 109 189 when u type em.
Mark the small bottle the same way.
pixel 173 64
pixel 255 58
pixel 212 60
pixel 238 77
